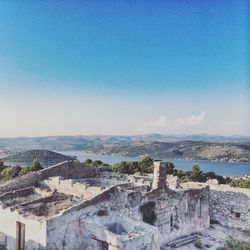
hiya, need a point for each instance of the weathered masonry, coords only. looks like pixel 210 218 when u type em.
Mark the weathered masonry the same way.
pixel 69 206
pixel 230 206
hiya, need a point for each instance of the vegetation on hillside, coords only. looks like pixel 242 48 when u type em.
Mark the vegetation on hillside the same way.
pixel 45 157
pixel 10 172
pixel 192 150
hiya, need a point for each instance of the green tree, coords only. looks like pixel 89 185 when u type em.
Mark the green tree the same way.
pixel 88 162
pixel 36 166
pixel 170 167
pixel 124 168
pixel 96 163
pixel 146 165
pixel 116 167
pixel 196 173
pixel 133 166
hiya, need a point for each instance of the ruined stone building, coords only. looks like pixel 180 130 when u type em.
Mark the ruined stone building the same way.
pixel 69 206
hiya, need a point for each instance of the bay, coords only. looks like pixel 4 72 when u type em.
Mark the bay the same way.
pixel 221 168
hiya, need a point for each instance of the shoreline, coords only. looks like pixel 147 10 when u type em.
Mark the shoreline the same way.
pixel 174 159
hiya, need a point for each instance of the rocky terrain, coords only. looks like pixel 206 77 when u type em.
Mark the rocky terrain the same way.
pixel 45 157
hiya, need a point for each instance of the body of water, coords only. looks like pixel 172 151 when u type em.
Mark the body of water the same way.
pixel 221 168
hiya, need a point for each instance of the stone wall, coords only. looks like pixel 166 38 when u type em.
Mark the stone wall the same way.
pixel 73 187
pixel 67 228
pixel 173 182
pixel 160 175
pixel 177 213
pixel 68 169
pixel 20 183
pixel 230 206
pixel 78 228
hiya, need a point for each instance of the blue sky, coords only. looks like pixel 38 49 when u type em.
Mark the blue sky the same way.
pixel 123 67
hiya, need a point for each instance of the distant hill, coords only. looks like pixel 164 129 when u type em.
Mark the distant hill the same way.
pixel 78 143
pixel 45 157
pixel 191 150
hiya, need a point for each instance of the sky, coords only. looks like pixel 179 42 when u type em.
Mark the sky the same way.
pixel 124 67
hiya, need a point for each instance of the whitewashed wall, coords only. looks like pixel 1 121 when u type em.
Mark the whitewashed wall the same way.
pixel 35 231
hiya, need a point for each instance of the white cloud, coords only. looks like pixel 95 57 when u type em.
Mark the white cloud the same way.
pixel 192 120
pixel 163 123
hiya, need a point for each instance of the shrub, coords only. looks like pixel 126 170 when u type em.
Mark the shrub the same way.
pixel 96 163
pixel 245 183
pixel 36 166
pixel 240 183
pixel 9 173
pixel 116 167
pixel 25 170
pixel 233 244
pixel 88 162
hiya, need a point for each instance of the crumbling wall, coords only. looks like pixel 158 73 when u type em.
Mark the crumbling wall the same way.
pixel 177 213
pixel 160 174
pixel 183 213
pixel 72 187
pixel 68 169
pixel 72 230
pixel 230 206
pixel 122 233
pixel 173 182
pixel 20 183
pixel 65 231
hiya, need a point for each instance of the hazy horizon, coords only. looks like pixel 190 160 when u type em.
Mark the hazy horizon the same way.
pixel 148 134
pixel 124 68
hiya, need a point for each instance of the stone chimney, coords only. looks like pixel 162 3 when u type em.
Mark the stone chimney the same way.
pixel 160 175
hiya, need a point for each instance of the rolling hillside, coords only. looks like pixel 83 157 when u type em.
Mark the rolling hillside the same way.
pixel 45 157
pixel 74 143
pixel 193 150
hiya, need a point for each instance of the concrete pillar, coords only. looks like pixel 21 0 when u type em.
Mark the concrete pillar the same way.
pixel 160 175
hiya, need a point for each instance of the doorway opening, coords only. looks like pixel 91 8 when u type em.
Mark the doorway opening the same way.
pixel 20 236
